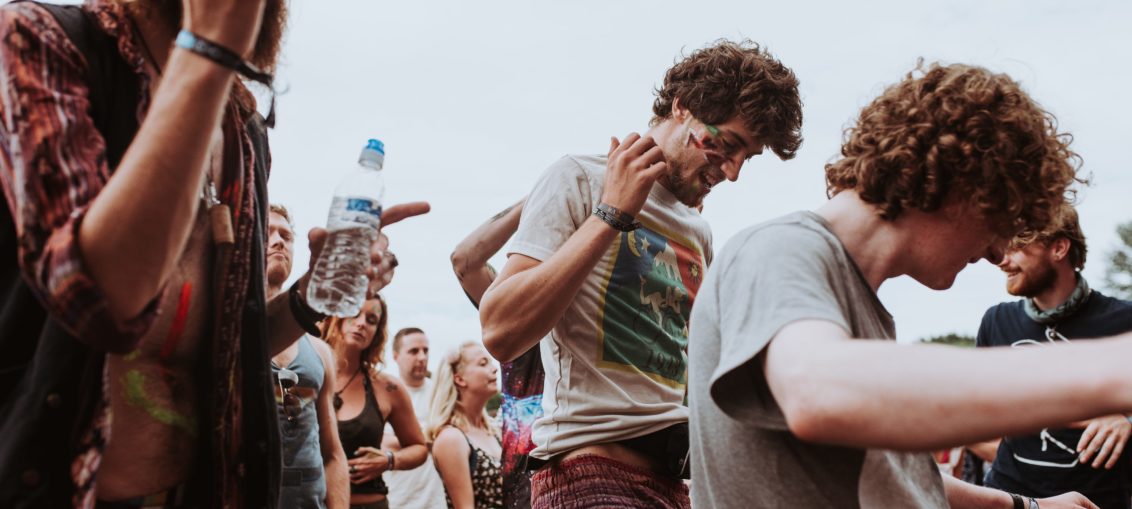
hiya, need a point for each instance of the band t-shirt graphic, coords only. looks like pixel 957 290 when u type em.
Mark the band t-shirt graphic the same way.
pixel 616 363
pixel 1045 463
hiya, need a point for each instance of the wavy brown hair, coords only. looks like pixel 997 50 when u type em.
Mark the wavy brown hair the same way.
pixel 729 79
pixel 373 355
pixel 1064 226
pixel 964 132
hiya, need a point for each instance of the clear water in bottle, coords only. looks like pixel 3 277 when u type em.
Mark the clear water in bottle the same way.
pixel 338 282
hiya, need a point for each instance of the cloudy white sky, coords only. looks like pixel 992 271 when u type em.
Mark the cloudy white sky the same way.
pixel 475 99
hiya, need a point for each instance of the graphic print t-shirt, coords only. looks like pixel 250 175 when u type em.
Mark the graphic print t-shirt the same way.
pixel 616 362
pixel 1046 464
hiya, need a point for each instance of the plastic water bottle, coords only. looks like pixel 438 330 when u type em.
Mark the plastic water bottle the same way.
pixel 338 284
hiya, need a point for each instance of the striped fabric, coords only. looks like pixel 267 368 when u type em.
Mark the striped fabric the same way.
pixel 591 482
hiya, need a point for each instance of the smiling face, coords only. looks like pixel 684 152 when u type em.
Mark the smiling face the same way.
pixel 358 332
pixel 280 249
pixel 1029 270
pixel 477 373
pixel 700 156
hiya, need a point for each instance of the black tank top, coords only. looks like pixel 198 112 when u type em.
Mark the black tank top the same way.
pixel 364 430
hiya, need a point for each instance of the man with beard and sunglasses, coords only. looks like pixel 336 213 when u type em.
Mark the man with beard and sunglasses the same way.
pixel 607 259
pixel 1058 307
pixel 136 328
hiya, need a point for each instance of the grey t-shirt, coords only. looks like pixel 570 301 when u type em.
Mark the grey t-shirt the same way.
pixel 743 455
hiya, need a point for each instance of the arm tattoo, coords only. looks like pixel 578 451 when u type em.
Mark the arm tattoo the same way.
pixel 391 387
pixel 501 214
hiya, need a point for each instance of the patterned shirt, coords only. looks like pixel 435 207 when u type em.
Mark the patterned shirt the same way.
pixel 53 164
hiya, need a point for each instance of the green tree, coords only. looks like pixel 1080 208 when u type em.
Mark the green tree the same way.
pixel 1118 276
pixel 952 339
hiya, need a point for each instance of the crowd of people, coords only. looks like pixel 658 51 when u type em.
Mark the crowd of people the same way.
pixel 155 359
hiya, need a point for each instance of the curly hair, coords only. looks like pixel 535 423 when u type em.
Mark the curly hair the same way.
pixel 959 131
pixel 1064 226
pixel 373 354
pixel 728 78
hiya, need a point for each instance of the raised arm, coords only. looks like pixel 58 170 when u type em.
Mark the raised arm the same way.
pixel 878 394
pixel 529 297
pixel 469 259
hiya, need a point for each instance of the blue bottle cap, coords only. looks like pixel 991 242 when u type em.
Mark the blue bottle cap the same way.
pixel 375 144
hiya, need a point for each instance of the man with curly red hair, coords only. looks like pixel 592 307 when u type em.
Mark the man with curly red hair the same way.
pixel 790 409
pixel 608 257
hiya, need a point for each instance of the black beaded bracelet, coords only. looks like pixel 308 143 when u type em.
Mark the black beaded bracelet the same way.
pixel 221 55
pixel 615 218
pixel 304 315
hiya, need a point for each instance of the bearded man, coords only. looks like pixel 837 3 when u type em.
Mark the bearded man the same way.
pixel 1058 307
pixel 135 325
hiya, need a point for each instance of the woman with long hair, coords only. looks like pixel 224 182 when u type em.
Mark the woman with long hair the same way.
pixel 465 444
pixel 365 399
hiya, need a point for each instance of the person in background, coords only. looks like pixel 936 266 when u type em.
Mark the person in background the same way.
pixel 365 399
pixel 1058 307
pixel 314 465
pixel 420 487
pixel 522 377
pixel 465 445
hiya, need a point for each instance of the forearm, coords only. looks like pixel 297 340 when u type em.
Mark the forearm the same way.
pixel 883 395
pixel 136 228
pixel 521 308
pixel 337 481
pixel 411 457
pixel 474 251
pixel 962 495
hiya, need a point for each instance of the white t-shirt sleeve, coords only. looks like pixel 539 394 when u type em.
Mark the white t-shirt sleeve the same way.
pixel 557 206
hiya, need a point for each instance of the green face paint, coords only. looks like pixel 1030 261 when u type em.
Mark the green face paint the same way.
pixel 134 382
pixel 712 130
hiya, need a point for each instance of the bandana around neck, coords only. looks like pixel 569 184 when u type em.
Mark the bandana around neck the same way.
pixel 1076 299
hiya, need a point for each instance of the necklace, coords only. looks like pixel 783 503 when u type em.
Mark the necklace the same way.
pixel 338 393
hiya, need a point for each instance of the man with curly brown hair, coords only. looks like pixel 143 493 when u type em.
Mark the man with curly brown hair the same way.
pixel 608 258
pixel 789 409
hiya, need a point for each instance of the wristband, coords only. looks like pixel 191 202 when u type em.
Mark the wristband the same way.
pixel 1034 503
pixel 1017 500
pixel 304 315
pixel 221 55
pixel 615 218
pixel 392 460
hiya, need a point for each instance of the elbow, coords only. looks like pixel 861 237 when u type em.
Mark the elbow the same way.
pixel 809 424
pixel 811 414
pixel 495 343
pixel 459 263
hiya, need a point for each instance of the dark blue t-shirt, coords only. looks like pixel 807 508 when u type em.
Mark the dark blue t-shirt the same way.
pixel 1045 464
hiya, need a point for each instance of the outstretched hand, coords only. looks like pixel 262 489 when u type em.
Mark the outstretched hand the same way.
pixel 382 261
pixel 632 168
pixel 1103 440
pixel 1071 500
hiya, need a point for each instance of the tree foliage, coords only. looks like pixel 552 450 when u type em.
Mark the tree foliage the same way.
pixel 951 339
pixel 1118 276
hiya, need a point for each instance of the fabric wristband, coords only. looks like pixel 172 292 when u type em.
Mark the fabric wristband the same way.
pixel 222 56
pixel 1034 503
pixel 304 315
pixel 1017 500
pixel 392 461
pixel 615 218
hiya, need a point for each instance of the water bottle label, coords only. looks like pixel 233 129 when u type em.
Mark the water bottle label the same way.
pixel 356 211
pixel 364 206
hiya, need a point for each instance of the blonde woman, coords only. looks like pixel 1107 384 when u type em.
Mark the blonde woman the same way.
pixel 465 445
pixel 364 400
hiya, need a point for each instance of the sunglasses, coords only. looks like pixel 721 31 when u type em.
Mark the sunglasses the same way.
pixel 292 405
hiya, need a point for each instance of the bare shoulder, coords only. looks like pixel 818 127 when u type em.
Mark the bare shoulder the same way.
pixel 450 440
pixel 323 349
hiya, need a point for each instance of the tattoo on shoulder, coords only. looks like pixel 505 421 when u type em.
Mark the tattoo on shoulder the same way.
pixel 502 213
pixel 391 387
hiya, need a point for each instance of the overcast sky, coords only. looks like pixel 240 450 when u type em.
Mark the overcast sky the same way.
pixel 475 99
